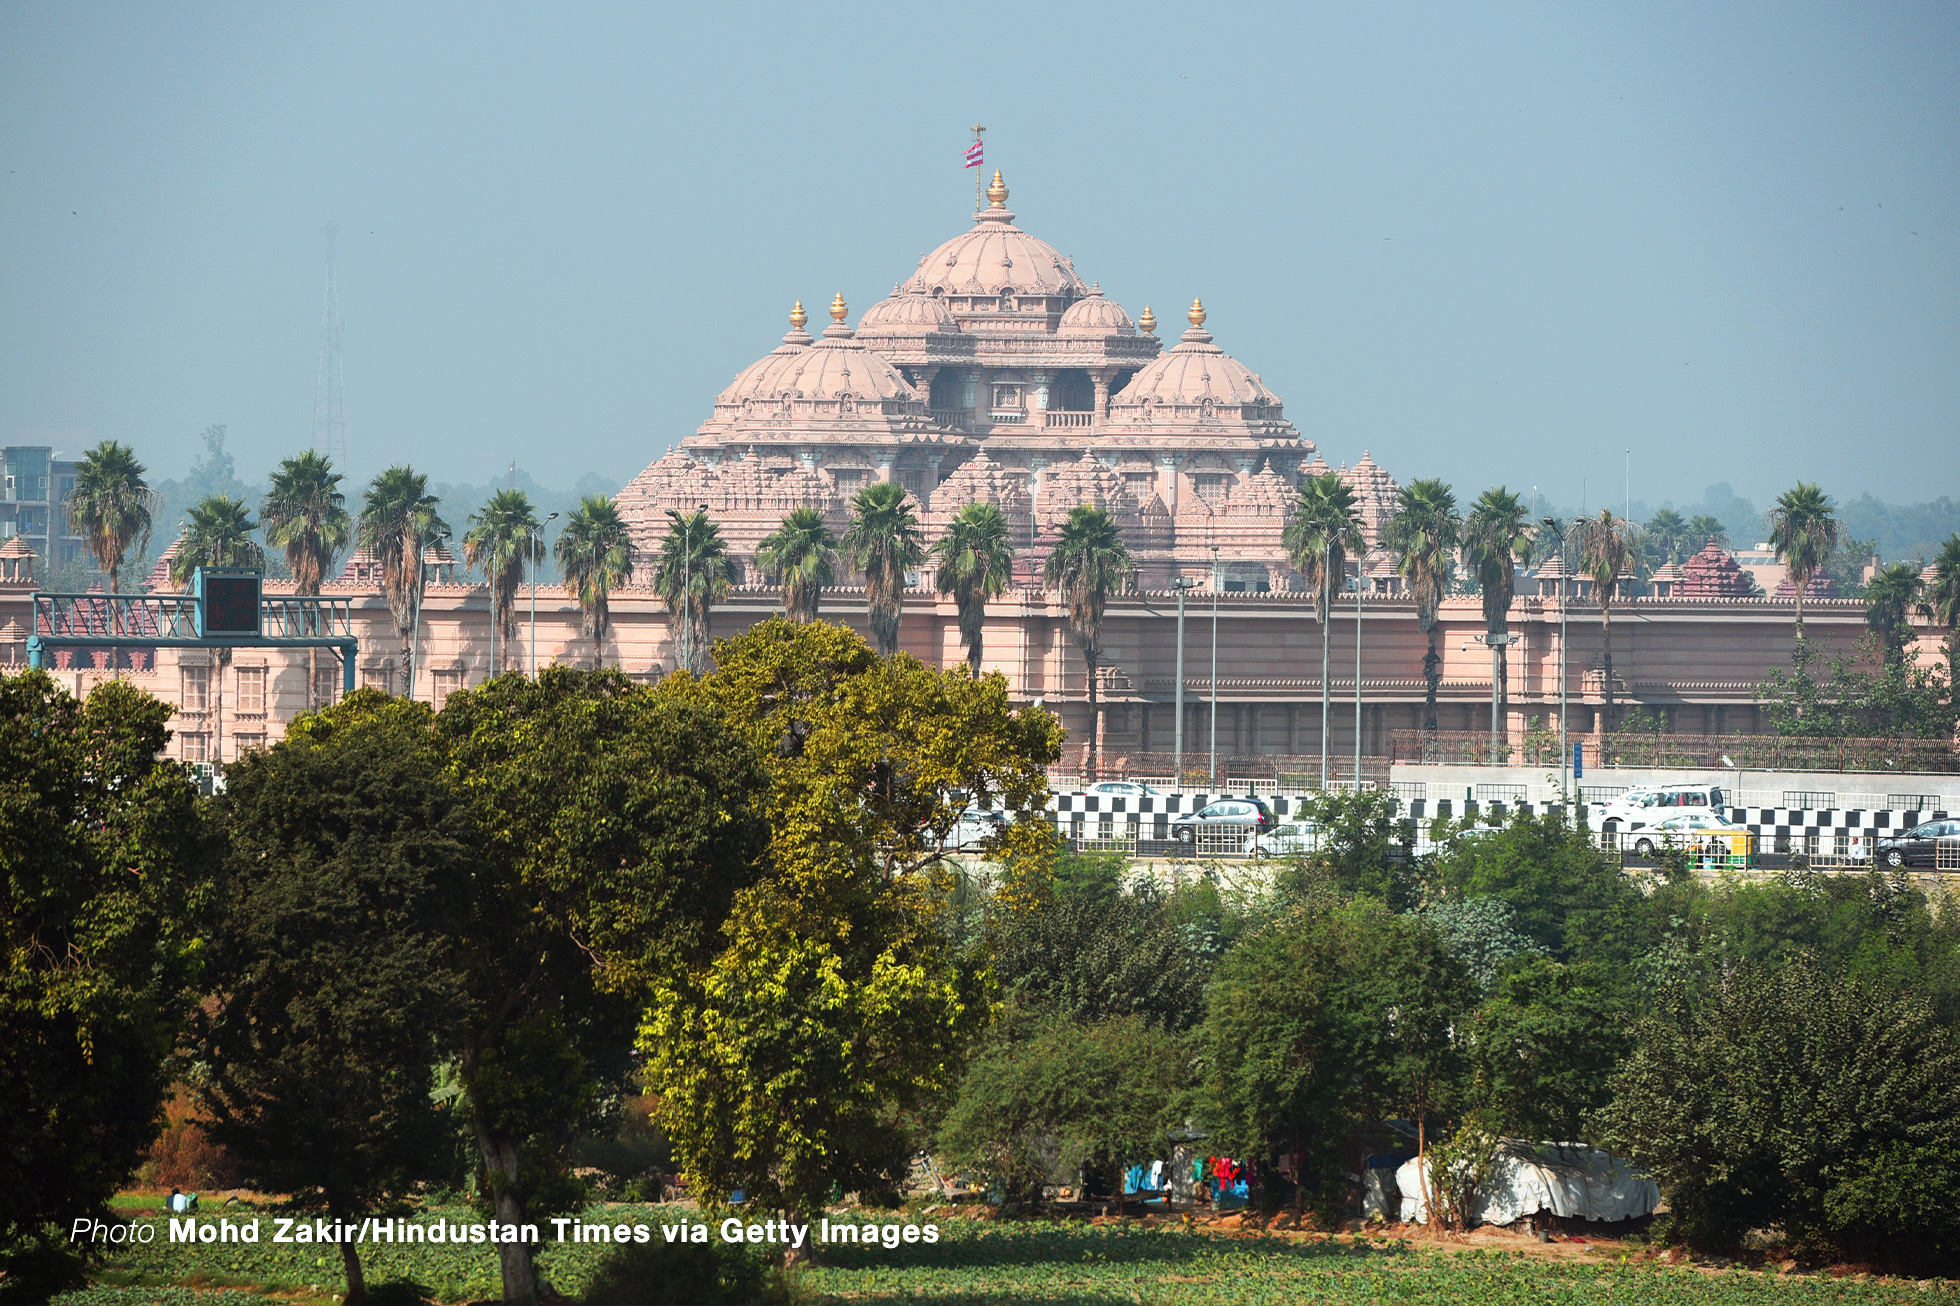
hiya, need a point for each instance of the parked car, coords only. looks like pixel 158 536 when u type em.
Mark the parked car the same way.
pixel 1227 814
pixel 1919 846
pixel 1700 832
pixel 1638 809
pixel 1122 789
pixel 1286 838
pixel 975 826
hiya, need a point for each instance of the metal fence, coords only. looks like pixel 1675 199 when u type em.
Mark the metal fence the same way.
pixel 1703 752
pixel 1239 773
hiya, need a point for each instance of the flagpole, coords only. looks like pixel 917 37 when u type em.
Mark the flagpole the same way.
pixel 979 174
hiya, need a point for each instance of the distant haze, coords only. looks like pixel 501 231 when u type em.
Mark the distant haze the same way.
pixel 1486 242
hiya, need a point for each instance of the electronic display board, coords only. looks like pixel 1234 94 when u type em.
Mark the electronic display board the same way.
pixel 231 605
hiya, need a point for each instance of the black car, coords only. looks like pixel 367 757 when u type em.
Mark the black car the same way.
pixel 1228 815
pixel 1920 846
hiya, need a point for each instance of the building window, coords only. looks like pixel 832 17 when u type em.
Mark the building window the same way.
pixel 1212 487
pixel 249 743
pixel 446 683
pixel 1007 398
pixel 377 678
pixel 326 684
pixel 196 696
pixel 197 748
pixel 849 480
pixel 251 689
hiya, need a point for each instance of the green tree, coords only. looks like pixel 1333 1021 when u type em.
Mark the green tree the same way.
pixel 1606 549
pixel 1495 537
pixel 1358 845
pixel 305 517
pixel 595 555
pixel 974 563
pixel 1574 903
pixel 884 543
pixel 1702 528
pixel 1888 608
pixel 1941 606
pixel 801 556
pixel 1669 537
pixel 219 534
pixel 501 537
pixel 1792 1097
pixel 104 858
pixel 617 825
pixel 1856 696
pixel 1803 529
pixel 836 1005
pixel 397 525
pixel 693 574
pixel 1544 1045
pixel 348 876
pixel 1088 564
pixel 1424 532
pixel 1325 529
pixel 113 505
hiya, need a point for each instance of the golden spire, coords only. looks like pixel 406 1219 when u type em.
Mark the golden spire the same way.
pixel 797 317
pixel 1148 321
pixel 1197 313
pixel 837 309
pixel 997 193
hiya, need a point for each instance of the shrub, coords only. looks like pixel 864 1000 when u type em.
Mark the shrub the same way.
pixel 686 1274
pixel 183 1155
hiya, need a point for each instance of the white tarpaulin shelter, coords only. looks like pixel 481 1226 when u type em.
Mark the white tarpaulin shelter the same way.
pixel 1568 1179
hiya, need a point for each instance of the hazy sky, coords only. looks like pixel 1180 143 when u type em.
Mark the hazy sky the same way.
pixel 1488 242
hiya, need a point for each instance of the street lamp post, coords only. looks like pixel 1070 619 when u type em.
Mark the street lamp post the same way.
pixel 537 560
pixel 1182 584
pixel 1326 647
pixel 1358 586
pixel 1214 664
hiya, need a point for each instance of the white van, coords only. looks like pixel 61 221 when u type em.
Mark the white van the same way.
pixel 1637 808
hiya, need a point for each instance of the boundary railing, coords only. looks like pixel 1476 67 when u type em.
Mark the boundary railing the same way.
pixel 1699 752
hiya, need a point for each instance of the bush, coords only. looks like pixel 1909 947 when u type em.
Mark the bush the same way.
pixel 686 1274
pixel 183 1155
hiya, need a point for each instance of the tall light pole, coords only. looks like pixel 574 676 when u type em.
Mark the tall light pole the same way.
pixel 537 560
pixel 1326 646
pixel 1557 529
pixel 1359 583
pixel 415 630
pixel 1214 664
pixel 1182 584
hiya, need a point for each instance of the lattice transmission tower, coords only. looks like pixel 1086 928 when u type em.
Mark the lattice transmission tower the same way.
pixel 329 390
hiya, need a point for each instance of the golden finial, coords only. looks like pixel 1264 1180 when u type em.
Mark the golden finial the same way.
pixel 1197 313
pixel 797 317
pixel 1148 321
pixel 997 192
pixel 837 309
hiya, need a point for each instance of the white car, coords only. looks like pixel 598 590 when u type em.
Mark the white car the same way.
pixel 1121 789
pixel 1286 838
pixel 975 826
pixel 1638 809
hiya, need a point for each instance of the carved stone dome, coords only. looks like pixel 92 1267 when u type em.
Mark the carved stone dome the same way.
pixel 907 312
pixel 1198 373
pixel 1096 315
pixel 996 258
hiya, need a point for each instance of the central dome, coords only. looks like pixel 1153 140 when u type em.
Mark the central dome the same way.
pixel 996 258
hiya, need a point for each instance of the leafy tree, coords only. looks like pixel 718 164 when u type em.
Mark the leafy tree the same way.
pixel 305 516
pixel 1702 528
pixel 1545 1043
pixel 1668 537
pixel 801 556
pixel 219 534
pixel 1802 529
pixel 1053 1098
pixel 693 573
pixel 883 542
pixel 1325 529
pixel 1789 1096
pixel 1481 932
pixel 595 555
pixel 1089 563
pixel 1360 845
pixel 617 826
pixel 1423 533
pixel 836 1006
pixel 1605 546
pixel 113 505
pixel 1856 696
pixel 1888 608
pixel 398 523
pixel 348 876
pixel 974 563
pixel 103 855
pixel 1495 537
pixel 500 538
pixel 1941 606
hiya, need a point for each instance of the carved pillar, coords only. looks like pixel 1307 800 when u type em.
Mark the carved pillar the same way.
pixel 1102 395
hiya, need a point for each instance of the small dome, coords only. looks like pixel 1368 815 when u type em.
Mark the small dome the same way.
pixel 834 368
pixel 906 313
pixel 762 377
pixel 1096 315
pixel 1196 370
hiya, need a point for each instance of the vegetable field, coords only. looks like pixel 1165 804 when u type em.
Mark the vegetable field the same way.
pixel 984 1261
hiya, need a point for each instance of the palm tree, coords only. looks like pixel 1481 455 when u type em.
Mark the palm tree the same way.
pixel 305 514
pixel 693 573
pixel 975 563
pixel 1495 537
pixel 1090 562
pixel 595 554
pixel 1803 530
pixel 1605 545
pixel 1423 533
pixel 1667 534
pixel 113 505
pixel 1941 604
pixel 1326 527
pixel 1703 527
pixel 398 522
pixel 884 544
pixel 219 535
pixel 500 538
pixel 801 556
pixel 1888 607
